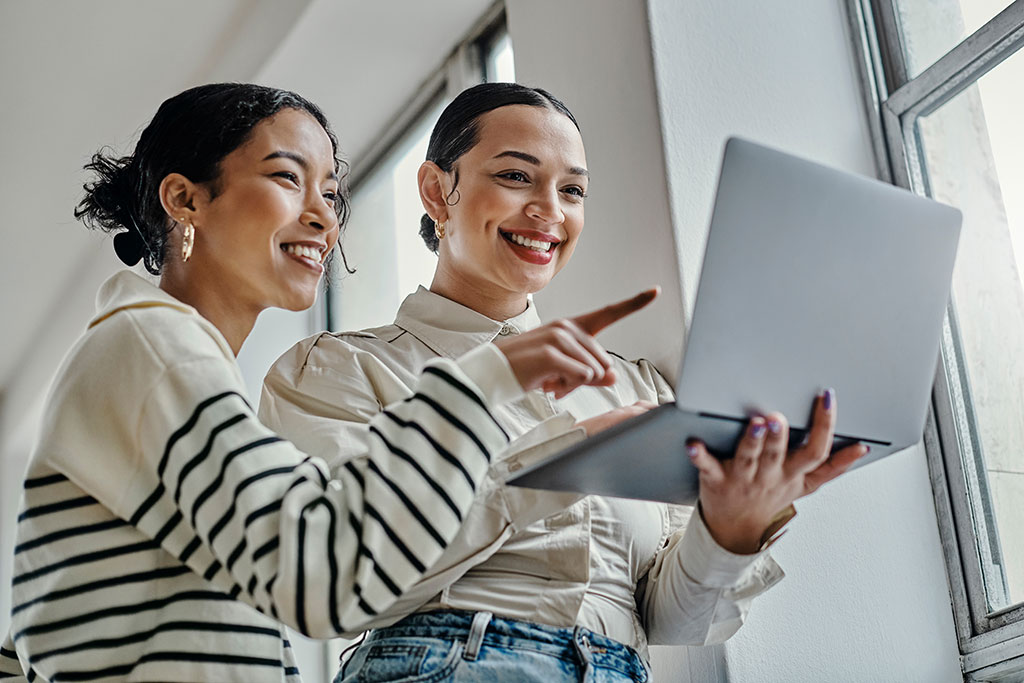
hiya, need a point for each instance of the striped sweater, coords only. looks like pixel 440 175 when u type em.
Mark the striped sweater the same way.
pixel 164 532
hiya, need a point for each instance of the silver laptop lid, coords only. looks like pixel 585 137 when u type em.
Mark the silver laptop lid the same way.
pixel 816 278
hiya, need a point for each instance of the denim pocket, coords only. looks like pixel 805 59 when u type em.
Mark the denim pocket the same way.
pixel 407 660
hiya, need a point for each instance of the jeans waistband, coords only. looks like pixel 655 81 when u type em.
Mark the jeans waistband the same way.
pixel 576 644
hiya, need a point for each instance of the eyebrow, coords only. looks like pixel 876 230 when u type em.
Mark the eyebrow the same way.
pixel 530 159
pixel 297 158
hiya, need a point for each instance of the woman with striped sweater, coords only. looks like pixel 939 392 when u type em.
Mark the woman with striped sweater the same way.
pixel 164 533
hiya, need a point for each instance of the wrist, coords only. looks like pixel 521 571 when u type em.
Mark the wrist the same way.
pixel 746 536
pixel 735 540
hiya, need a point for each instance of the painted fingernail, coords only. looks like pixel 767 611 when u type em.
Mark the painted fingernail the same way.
pixel 757 430
pixel 691 450
pixel 827 399
pixel 775 426
pixel 867 449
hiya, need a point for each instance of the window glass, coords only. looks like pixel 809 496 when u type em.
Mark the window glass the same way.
pixel 931 28
pixel 973 156
pixel 382 239
pixel 499 63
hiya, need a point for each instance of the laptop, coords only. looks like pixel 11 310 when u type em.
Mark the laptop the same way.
pixel 812 278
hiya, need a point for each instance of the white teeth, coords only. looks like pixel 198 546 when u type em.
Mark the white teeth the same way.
pixel 302 250
pixel 536 245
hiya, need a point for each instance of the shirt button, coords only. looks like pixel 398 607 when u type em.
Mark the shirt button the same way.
pixel 515 466
pixel 506 330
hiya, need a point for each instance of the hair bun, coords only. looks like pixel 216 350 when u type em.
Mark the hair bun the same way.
pixel 129 247
pixel 428 234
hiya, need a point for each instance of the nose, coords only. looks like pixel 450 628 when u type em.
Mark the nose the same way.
pixel 545 206
pixel 318 214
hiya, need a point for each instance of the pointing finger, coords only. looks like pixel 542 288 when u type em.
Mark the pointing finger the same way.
pixel 595 321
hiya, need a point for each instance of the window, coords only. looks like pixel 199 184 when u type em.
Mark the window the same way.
pixel 942 78
pixel 382 238
pixel 499 66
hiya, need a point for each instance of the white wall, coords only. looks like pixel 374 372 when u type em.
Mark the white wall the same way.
pixel 865 598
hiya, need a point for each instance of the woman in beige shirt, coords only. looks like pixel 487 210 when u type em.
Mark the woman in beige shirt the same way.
pixel 539 586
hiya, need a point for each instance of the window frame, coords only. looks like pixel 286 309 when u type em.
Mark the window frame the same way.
pixel 991 643
pixel 465 66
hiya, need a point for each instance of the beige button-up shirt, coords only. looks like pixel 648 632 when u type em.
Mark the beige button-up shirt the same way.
pixel 635 571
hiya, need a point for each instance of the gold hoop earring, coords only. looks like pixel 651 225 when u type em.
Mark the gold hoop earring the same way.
pixel 439 230
pixel 187 242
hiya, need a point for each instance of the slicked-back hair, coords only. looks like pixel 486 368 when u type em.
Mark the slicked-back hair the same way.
pixel 458 129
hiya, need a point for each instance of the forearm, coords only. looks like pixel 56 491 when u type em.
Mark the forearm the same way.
pixel 699 593
pixel 324 555
pixel 496 514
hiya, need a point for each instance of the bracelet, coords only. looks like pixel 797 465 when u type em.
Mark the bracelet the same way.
pixel 775 531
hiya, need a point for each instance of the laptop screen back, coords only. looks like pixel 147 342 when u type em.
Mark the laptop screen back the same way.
pixel 815 278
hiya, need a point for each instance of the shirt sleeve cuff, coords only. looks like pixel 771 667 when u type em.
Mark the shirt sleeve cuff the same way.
pixel 489 369
pixel 518 458
pixel 708 563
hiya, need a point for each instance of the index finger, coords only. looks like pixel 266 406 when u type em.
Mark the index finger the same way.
pixel 595 321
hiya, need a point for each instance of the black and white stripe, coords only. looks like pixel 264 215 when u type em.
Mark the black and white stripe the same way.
pixel 227 517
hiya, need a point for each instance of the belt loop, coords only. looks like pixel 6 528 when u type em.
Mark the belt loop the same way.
pixel 581 642
pixel 476 635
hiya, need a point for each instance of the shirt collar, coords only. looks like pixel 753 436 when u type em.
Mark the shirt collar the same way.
pixel 127 290
pixel 451 329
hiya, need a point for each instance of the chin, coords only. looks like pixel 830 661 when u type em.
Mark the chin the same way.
pixel 534 282
pixel 297 301
pixel 532 287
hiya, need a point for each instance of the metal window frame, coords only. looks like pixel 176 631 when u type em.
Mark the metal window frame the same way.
pixel 991 643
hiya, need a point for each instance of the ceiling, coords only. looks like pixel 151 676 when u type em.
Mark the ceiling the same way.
pixel 77 76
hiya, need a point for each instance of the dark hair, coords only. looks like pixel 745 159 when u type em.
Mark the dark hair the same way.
pixel 458 129
pixel 190 134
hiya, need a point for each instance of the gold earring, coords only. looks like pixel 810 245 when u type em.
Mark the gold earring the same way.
pixel 187 241
pixel 439 229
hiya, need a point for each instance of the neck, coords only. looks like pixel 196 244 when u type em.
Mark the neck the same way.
pixel 482 297
pixel 232 317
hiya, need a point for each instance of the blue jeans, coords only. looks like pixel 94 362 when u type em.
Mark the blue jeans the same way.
pixel 468 647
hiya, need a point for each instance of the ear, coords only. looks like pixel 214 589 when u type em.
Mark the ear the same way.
pixel 179 197
pixel 432 180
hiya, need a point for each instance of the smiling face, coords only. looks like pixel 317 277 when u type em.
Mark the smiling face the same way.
pixel 519 208
pixel 263 234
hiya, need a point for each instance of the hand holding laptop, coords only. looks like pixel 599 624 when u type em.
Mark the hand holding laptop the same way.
pixel 741 496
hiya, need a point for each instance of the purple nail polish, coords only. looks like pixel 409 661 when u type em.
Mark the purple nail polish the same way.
pixel 757 431
pixel 827 399
pixel 691 451
pixel 775 426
